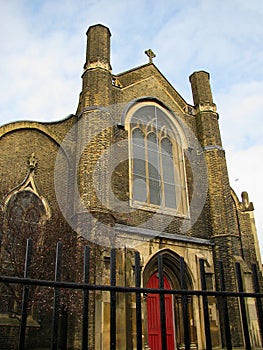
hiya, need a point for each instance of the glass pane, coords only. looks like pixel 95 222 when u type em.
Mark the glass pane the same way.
pixel 146 113
pixel 154 175
pixel 152 142
pixel 138 153
pixel 138 137
pixel 139 189
pixel 168 169
pixel 139 167
pixel 153 157
pixel 169 195
pixel 153 166
pixel 167 161
pixel 161 116
pixel 167 146
pixel 153 169
pixel 154 186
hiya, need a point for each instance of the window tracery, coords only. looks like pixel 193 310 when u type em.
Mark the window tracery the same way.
pixel 157 170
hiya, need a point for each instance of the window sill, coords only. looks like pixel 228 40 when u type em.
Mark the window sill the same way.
pixel 156 209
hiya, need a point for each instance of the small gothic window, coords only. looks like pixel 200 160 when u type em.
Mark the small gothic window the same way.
pixel 24 211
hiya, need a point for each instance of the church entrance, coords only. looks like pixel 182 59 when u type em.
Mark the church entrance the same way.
pixel 153 312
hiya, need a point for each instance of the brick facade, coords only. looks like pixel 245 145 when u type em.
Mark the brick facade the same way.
pixel 92 190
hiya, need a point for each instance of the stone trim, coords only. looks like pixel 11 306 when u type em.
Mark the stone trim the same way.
pixel 174 237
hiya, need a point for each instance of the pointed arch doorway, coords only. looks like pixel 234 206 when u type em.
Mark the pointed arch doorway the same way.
pixel 175 272
pixel 153 312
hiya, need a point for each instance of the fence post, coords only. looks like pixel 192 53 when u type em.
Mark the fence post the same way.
pixel 55 316
pixel 205 306
pixel 225 307
pixel 85 320
pixel 243 307
pixel 138 301
pixel 162 302
pixel 113 300
pixel 28 258
pixel 183 286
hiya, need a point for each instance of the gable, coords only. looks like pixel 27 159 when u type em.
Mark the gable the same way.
pixel 147 80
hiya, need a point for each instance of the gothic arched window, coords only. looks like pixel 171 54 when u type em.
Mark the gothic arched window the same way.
pixel 157 171
pixel 24 213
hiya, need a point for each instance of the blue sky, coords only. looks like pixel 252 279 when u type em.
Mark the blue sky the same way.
pixel 43 51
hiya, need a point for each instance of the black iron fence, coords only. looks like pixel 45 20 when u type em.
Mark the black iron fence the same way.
pixel 138 291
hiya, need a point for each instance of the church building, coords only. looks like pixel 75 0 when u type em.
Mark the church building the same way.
pixel 139 169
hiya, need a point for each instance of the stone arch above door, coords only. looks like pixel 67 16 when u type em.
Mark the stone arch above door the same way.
pixel 171 268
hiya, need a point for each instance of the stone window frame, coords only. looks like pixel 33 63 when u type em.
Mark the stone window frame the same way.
pixel 172 131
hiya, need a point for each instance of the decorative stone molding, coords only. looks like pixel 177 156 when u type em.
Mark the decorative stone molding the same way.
pixel 246 205
pixel 97 64
pixel 206 107
pixel 28 184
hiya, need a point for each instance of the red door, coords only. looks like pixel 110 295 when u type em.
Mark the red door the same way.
pixel 154 322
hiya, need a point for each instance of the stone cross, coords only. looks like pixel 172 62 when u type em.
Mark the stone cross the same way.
pixel 150 54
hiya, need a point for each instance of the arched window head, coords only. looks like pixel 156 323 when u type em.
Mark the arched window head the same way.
pixel 157 169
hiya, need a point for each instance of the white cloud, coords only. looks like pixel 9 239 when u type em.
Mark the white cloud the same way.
pixel 240 109
pixel 221 37
pixel 40 74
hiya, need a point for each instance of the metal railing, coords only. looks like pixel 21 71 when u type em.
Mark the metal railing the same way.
pixel 138 291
